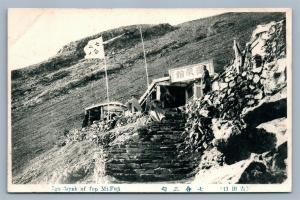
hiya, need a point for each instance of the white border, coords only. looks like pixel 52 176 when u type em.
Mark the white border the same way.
pixel 155 188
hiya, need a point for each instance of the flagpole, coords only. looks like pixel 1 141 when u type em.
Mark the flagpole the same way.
pixel 106 80
pixel 144 56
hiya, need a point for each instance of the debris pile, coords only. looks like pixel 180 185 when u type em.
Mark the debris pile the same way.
pixel 99 131
pixel 132 118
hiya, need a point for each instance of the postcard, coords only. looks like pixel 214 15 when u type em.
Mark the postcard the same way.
pixel 149 100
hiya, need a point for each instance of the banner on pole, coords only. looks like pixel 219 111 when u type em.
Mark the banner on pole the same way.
pixel 94 49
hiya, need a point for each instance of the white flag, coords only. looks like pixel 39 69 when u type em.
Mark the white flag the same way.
pixel 94 49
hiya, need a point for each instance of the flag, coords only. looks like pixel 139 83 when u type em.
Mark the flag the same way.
pixel 94 49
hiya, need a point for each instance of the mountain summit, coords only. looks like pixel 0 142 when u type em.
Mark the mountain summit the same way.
pixel 49 98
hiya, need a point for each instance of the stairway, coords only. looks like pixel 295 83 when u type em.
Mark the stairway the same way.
pixel 153 156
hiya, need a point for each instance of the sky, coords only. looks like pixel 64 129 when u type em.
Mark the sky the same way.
pixel 34 35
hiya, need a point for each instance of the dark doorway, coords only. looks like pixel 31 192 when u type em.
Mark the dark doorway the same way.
pixel 91 116
pixel 172 96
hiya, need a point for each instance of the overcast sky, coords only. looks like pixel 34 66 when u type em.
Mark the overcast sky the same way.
pixel 37 34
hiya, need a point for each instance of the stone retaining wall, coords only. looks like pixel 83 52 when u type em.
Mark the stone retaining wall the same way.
pixel 153 154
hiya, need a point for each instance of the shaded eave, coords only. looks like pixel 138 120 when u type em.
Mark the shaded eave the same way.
pixel 112 103
pixel 151 86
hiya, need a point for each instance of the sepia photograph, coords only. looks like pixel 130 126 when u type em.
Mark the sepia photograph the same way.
pixel 149 100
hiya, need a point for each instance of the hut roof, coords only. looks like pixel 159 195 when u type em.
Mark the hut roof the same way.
pixel 112 103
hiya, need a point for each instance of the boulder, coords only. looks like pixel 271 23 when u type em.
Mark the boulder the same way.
pixel 269 108
pixel 257 70
pixel 275 76
pixel 226 174
pixel 231 137
pixel 278 127
pixel 211 158
pixel 269 167
pixel 223 130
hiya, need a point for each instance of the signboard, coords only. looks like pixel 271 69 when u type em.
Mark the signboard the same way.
pixel 190 72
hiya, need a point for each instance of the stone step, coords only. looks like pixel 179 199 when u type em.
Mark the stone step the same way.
pixel 174 115
pixel 141 151
pixel 167 157
pixel 149 165
pixel 163 134
pixel 172 133
pixel 166 128
pixel 153 154
pixel 145 145
pixel 146 163
pixel 168 122
pixel 146 177
pixel 153 171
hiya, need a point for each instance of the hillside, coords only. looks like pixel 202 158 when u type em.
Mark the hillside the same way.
pixel 49 98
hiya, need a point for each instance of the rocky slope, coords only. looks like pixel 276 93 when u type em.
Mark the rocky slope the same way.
pixel 48 98
pixel 239 132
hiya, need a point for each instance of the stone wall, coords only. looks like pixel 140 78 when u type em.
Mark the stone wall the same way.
pixel 152 155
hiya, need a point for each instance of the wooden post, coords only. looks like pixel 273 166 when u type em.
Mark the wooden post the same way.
pixel 198 92
pixel 101 113
pixel 186 94
pixel 158 92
